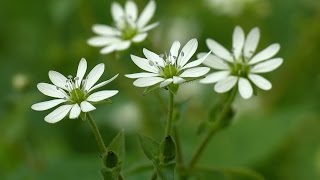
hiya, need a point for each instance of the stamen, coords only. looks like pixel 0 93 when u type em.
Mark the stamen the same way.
pixel 182 53
pixel 151 63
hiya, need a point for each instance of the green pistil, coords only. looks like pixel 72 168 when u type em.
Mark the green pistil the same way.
pixel 128 32
pixel 169 71
pixel 77 95
pixel 240 68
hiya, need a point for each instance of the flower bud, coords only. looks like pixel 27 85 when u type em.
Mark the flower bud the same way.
pixel 167 150
pixel 110 160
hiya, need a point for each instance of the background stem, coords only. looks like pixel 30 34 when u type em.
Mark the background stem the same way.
pixel 214 129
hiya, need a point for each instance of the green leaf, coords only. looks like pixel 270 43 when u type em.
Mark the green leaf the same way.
pixel 110 173
pixel 207 173
pixel 165 171
pixel 167 150
pixel 149 146
pixel 117 145
pixel 149 89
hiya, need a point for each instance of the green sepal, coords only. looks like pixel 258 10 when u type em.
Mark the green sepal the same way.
pixel 173 88
pixel 117 146
pixel 83 116
pixel 110 173
pixel 165 171
pixel 149 89
pixel 110 159
pixel 167 150
pixel 149 146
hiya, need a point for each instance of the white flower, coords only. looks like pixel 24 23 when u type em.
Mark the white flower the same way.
pixel 76 94
pixel 171 69
pixel 128 27
pixel 241 66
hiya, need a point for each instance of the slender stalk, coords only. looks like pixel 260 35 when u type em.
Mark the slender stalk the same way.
pixel 170 110
pixel 97 134
pixel 213 130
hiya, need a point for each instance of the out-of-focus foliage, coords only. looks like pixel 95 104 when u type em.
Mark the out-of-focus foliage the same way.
pixel 276 133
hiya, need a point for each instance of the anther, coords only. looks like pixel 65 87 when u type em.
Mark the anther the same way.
pixel 182 53
pixel 69 77
pixel 151 63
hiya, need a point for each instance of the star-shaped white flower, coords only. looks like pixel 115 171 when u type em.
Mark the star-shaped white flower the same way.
pixel 170 69
pixel 241 66
pixel 129 28
pixel 76 94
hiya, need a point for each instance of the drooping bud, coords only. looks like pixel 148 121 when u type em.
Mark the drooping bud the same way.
pixel 110 159
pixel 167 150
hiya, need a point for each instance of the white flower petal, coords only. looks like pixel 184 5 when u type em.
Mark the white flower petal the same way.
pixel 143 64
pixel 267 66
pixel 131 10
pixel 151 56
pixel 187 52
pixel 94 76
pixel 86 106
pixel 58 79
pixel 139 37
pixel 117 11
pixel 141 75
pixel 178 80
pixel 123 45
pixel 214 62
pixel 100 41
pixel 174 50
pixel 260 81
pixel 251 42
pixel 101 95
pixel 238 41
pixel 109 49
pixel 104 30
pixel 146 14
pixel 195 72
pixel 103 83
pixel 82 68
pixel 149 27
pixel 196 62
pixel 166 82
pixel 265 54
pixel 58 114
pixel 41 106
pixel 147 81
pixel 245 88
pixel 215 77
pixel 219 50
pixel 226 84
pixel 51 90
pixel 75 111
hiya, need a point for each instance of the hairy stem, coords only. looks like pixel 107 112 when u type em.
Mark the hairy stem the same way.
pixel 170 110
pixel 97 134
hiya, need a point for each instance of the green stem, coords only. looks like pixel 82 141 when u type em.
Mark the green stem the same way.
pixel 169 120
pixel 97 134
pixel 214 129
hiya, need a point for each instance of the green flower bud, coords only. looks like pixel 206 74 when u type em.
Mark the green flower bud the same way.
pixel 167 150
pixel 110 160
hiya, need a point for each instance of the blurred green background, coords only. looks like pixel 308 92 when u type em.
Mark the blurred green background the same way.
pixel 276 133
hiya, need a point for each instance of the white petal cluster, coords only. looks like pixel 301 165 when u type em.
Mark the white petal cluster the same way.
pixel 242 65
pixel 173 68
pixel 128 27
pixel 75 94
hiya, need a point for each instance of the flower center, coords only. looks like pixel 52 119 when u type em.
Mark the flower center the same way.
pixel 76 91
pixel 240 68
pixel 77 95
pixel 128 32
pixel 169 71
